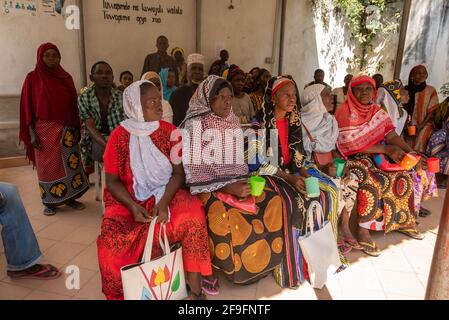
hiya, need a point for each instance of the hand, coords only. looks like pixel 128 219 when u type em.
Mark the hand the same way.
pixel 161 212
pixel 422 164
pixel 299 183
pixel 395 153
pixel 35 142
pixel 240 189
pixel 140 214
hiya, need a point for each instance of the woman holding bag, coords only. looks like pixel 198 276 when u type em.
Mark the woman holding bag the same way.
pixel 144 182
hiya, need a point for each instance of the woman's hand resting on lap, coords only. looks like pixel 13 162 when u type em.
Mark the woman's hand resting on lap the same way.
pixel 395 153
pixel 240 189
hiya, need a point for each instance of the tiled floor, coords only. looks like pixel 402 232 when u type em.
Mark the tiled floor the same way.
pixel 68 239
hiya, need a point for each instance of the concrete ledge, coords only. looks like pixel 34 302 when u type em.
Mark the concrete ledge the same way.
pixel 13 162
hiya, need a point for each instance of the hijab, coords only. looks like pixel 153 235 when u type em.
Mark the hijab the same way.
pixel 413 90
pixel 167 92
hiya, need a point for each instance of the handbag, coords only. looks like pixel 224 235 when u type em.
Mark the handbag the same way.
pixel 159 279
pixel 247 205
pixel 319 248
pixel 321 158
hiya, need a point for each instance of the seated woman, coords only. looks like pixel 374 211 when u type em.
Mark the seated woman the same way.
pixel 247 243
pixel 320 134
pixel 439 148
pixel 288 168
pixel 385 200
pixel 167 111
pixel 138 191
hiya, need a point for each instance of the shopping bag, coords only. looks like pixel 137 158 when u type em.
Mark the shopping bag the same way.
pixel 159 279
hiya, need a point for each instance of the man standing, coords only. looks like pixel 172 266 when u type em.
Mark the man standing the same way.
pixel 318 78
pixel 160 59
pixel 181 97
pixel 219 66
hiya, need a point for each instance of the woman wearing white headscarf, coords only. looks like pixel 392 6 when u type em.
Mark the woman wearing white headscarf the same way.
pixel 322 127
pixel 144 179
pixel 167 111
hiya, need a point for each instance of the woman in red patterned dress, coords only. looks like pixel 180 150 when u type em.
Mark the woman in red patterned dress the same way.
pixel 144 180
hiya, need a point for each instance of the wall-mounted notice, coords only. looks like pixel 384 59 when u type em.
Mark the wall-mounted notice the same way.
pixel 19 7
pixel 141 13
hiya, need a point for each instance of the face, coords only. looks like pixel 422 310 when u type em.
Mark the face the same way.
pixel 405 98
pixel 364 93
pixel 221 105
pixel 238 83
pixel 255 73
pixel 156 82
pixel 224 56
pixel 151 105
pixel 379 80
pixel 249 82
pixel 171 79
pixel 326 96
pixel 285 99
pixel 348 79
pixel 103 76
pixel 179 57
pixel 196 73
pixel 162 44
pixel 419 75
pixel 264 79
pixel 127 79
pixel 319 77
pixel 51 58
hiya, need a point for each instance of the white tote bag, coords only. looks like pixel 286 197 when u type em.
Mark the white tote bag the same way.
pixel 160 279
pixel 319 248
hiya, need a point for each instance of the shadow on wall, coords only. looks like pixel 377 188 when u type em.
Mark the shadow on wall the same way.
pixel 428 40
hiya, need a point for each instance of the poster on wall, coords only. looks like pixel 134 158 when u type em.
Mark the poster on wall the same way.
pixel 19 7
pixel 142 13
pixel 51 7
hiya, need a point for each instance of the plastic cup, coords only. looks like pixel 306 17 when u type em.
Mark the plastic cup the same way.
pixel 433 165
pixel 411 131
pixel 340 164
pixel 409 162
pixel 313 187
pixel 257 185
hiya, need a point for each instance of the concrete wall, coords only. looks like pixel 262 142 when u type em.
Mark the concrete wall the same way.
pixel 428 40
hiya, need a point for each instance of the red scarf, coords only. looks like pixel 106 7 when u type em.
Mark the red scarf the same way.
pixel 361 126
pixel 47 94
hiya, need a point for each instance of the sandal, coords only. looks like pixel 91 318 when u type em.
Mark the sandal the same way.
pixel 36 272
pixel 76 205
pixel 344 247
pixel 412 233
pixel 370 248
pixel 212 288
pixel 49 211
pixel 353 243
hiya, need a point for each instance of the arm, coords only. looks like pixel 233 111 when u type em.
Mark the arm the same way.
pixel 33 135
pixel 393 139
pixel 94 133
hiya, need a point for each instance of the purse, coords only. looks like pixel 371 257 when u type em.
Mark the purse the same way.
pixel 247 205
pixel 319 248
pixel 321 158
pixel 159 279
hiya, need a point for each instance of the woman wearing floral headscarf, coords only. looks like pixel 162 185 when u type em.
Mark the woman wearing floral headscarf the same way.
pixel 144 179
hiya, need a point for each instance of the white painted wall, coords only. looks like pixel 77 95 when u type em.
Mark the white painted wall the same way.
pixel 247 31
pixel 20 36
pixel 126 44
pixel 428 40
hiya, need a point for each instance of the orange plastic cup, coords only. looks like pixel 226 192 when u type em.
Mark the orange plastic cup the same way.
pixel 433 165
pixel 412 130
pixel 409 162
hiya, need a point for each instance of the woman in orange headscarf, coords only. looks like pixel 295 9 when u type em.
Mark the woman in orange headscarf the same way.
pixel 385 199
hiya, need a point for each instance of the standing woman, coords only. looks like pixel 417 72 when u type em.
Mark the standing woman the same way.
pixel 423 102
pixel 50 130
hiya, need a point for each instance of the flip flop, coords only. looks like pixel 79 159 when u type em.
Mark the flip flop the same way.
pixel 49 211
pixel 370 248
pixel 353 243
pixel 211 291
pixel 76 205
pixel 412 233
pixel 46 272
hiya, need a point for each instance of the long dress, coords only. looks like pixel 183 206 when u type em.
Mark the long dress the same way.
pixel 122 240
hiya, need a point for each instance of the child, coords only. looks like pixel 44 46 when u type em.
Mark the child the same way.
pixel 126 78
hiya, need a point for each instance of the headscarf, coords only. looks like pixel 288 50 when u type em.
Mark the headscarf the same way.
pixel 233 71
pixel 151 168
pixel 321 125
pixel 361 126
pixel 207 177
pixel 176 50
pixel 165 89
pixel 47 94
pixel 389 96
pixel 166 107
pixel 195 58
pixel 413 90
pixel 267 121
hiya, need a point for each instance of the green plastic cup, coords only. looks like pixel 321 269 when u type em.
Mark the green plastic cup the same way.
pixel 257 185
pixel 340 164
pixel 313 187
